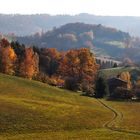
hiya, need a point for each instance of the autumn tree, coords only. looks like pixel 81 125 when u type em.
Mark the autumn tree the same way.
pixel 49 60
pixel 80 65
pixel 29 65
pixel 7 60
pixel 126 77
pixel 87 65
pixel 19 50
pixel 69 64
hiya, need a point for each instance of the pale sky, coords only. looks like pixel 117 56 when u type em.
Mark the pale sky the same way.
pixel 72 7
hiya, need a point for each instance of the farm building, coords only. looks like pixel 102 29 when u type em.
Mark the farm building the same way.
pixel 116 82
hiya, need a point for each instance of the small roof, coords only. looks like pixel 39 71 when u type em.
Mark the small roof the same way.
pixel 115 78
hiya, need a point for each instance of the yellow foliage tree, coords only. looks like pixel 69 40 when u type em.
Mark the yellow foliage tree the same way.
pixel 126 77
pixel 7 60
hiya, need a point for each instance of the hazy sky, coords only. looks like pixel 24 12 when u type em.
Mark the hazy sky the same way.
pixel 97 7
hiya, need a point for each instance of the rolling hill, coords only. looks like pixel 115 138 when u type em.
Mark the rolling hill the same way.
pixel 104 41
pixel 33 110
pixel 30 24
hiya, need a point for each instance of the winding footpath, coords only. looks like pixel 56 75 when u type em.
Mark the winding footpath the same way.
pixel 117 117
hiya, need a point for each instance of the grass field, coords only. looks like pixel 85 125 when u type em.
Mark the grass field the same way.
pixel 33 110
pixel 130 111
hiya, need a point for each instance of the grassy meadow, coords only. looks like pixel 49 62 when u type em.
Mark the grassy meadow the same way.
pixel 33 110
pixel 130 112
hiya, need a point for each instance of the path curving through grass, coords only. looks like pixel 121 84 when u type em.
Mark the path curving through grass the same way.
pixel 117 117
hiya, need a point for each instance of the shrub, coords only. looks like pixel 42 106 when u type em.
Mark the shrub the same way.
pixel 87 88
pixel 42 78
pixel 56 81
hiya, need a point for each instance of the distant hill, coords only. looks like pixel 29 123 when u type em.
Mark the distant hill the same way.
pixel 102 40
pixel 30 24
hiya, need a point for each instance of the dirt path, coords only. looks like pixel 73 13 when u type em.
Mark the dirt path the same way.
pixel 117 118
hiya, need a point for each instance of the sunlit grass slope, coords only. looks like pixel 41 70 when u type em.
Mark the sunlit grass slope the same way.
pixel 33 110
pixel 130 111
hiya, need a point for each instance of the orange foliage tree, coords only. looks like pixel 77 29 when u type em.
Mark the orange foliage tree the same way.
pixel 87 65
pixel 7 60
pixel 29 65
pixel 79 64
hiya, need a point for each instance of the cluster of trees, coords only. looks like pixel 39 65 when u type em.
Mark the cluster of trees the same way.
pixel 106 64
pixel 74 69
pixel 15 59
pixel 79 69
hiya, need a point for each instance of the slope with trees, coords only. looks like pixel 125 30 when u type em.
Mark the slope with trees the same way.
pixel 77 35
pixel 49 65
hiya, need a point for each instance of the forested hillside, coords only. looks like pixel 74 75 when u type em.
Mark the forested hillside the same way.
pixel 102 40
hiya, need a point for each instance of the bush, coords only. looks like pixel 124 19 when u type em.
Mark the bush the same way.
pixel 42 78
pixel 87 88
pixel 56 81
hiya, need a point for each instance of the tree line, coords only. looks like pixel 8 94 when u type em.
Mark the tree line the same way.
pixel 75 69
